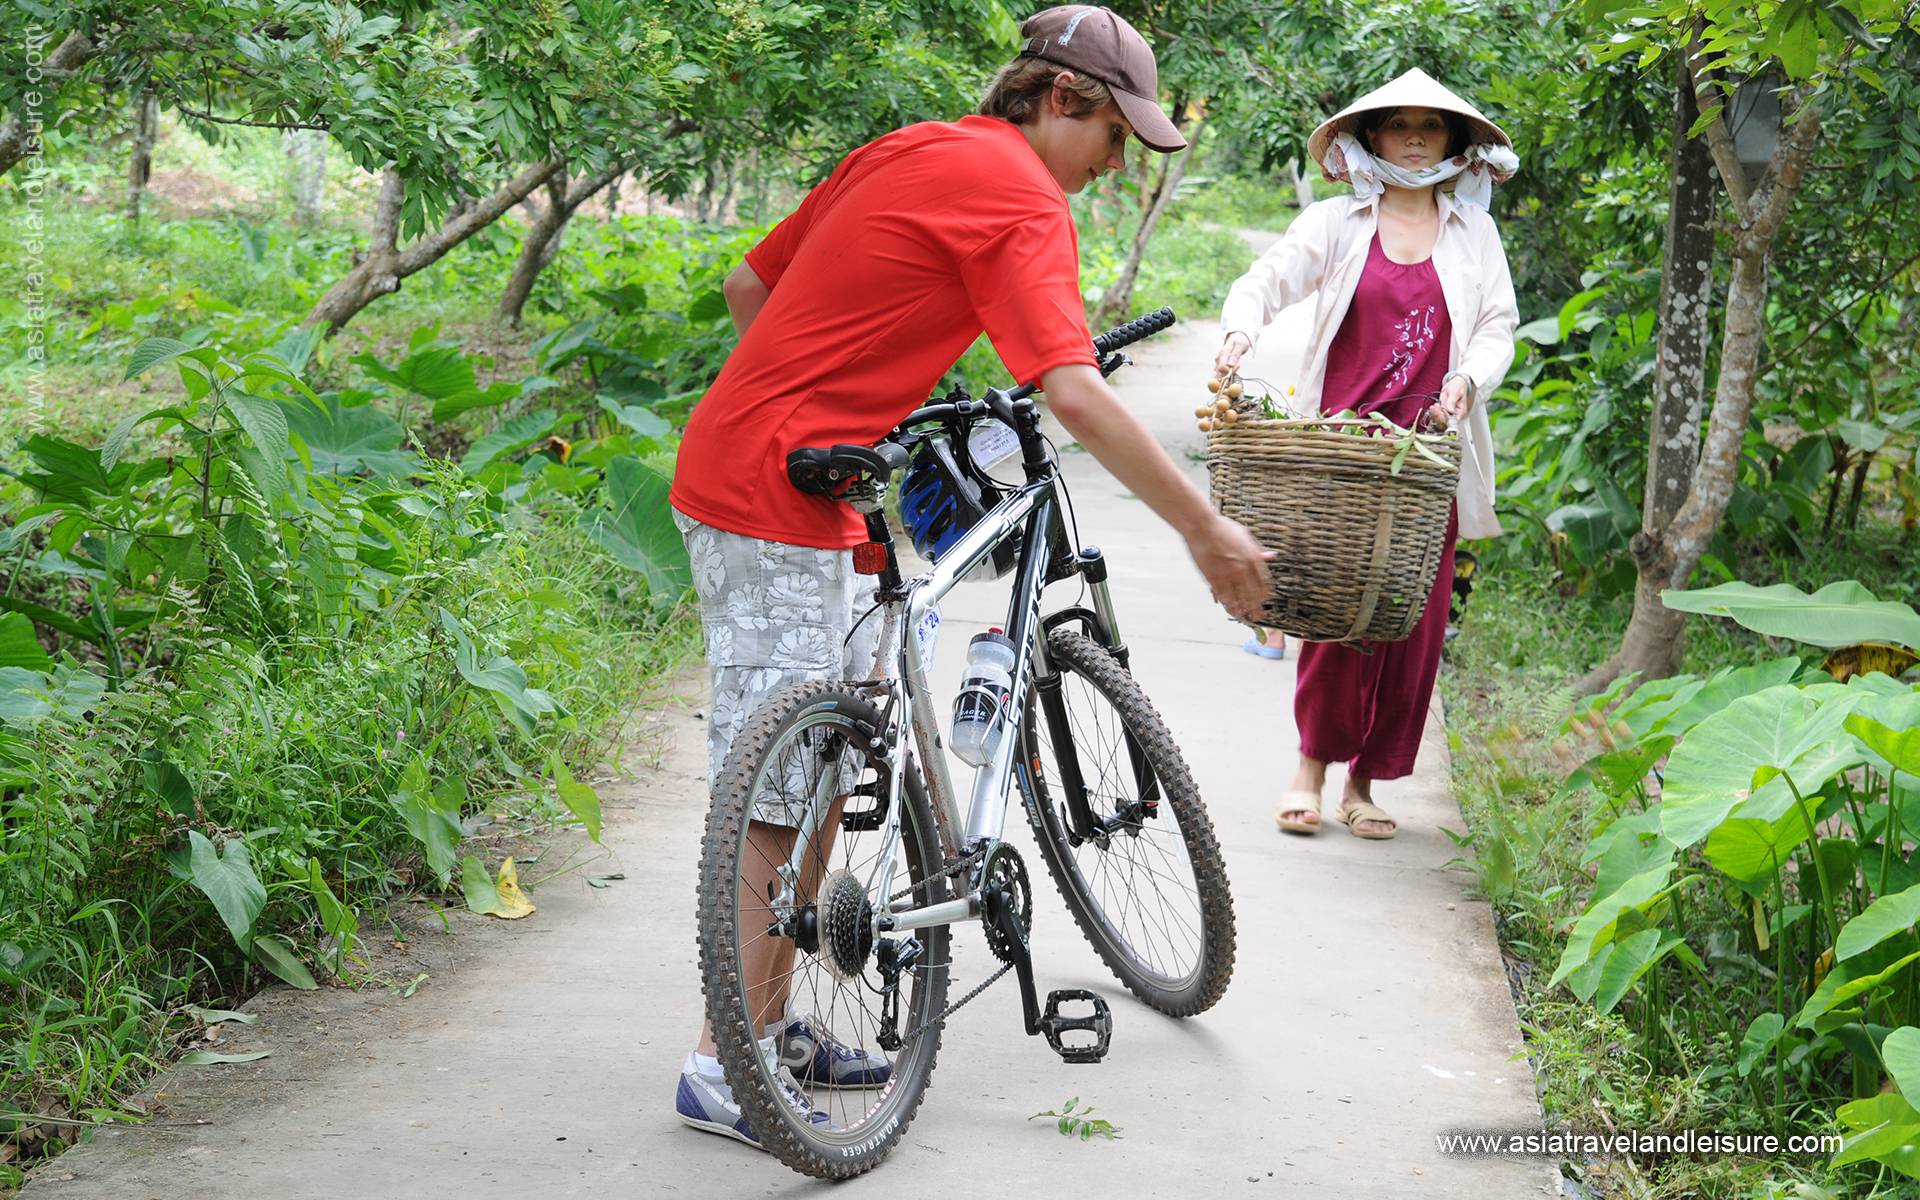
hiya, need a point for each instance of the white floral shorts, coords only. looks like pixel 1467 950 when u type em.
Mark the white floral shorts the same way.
pixel 773 615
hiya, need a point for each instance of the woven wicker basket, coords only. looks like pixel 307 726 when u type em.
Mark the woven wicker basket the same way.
pixel 1358 521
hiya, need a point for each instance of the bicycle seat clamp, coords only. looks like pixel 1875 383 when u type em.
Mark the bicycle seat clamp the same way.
pixel 1099 1023
pixel 836 471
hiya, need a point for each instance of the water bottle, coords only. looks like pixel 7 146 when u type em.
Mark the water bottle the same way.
pixel 978 711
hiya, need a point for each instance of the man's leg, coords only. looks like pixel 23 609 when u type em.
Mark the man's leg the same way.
pixel 767 962
pixel 773 615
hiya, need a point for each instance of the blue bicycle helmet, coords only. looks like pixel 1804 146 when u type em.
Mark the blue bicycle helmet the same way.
pixel 941 498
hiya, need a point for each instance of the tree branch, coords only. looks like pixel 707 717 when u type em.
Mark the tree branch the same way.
pixel 1719 138
pixel 458 229
pixel 191 111
pixel 67 57
pixel 386 212
pixel 1788 168
pixel 584 187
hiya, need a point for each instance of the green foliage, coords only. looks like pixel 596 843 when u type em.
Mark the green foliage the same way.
pixel 1571 420
pixel 272 656
pixel 1775 870
pixel 1839 614
pixel 1674 942
pixel 1081 1124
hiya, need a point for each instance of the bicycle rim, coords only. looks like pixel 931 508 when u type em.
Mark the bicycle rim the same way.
pixel 814 740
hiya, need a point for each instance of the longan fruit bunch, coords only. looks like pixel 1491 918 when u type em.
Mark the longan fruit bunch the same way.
pixel 1225 408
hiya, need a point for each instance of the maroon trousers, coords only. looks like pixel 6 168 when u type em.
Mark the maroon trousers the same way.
pixel 1368 709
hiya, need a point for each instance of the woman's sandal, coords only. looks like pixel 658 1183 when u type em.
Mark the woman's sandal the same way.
pixel 1298 802
pixel 1365 810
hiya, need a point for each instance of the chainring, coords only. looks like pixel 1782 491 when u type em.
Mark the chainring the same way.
pixel 1005 870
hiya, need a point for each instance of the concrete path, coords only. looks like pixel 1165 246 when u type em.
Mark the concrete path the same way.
pixel 1368 1011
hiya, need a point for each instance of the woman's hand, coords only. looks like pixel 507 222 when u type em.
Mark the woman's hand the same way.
pixel 1227 362
pixel 1456 398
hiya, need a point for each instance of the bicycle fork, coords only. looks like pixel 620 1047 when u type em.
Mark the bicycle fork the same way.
pixel 1103 627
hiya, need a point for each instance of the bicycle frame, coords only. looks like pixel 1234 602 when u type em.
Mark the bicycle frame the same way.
pixel 1028 513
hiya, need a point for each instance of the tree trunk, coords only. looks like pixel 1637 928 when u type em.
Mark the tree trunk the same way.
pixel 380 269
pixel 146 128
pixel 1653 642
pixel 20 135
pixel 542 242
pixel 1113 306
pixel 306 172
pixel 1302 181
pixel 725 213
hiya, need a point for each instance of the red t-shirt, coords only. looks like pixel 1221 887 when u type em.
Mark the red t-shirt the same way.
pixel 880 279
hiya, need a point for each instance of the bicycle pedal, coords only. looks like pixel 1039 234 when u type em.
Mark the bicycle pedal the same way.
pixel 1099 1023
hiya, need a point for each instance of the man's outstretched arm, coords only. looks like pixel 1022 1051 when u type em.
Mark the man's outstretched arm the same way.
pixel 1234 564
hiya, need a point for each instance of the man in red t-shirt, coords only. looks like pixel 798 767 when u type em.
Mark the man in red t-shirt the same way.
pixel 849 312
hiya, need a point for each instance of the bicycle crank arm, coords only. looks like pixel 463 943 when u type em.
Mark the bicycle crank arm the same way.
pixel 1050 1023
pixel 1001 916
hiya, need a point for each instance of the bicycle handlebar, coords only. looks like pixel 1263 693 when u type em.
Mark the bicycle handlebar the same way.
pixel 1103 345
pixel 1125 335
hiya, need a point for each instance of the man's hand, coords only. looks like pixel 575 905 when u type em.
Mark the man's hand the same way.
pixel 1232 350
pixel 1235 566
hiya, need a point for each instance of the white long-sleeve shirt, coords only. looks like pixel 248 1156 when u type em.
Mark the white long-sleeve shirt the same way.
pixel 1324 252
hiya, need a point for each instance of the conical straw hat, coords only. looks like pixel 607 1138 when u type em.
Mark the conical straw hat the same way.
pixel 1414 89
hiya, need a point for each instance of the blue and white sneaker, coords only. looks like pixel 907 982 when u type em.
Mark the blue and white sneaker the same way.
pixel 809 1049
pixel 707 1104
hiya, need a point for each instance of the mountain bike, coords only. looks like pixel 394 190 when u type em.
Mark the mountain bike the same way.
pixel 883 864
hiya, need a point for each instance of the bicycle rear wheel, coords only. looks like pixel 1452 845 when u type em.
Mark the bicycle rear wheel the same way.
pixel 1149 888
pixel 808 745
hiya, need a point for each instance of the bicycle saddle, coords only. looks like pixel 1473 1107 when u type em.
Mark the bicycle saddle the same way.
pixel 830 472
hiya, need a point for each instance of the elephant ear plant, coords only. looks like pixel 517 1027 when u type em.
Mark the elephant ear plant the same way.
pixel 1755 889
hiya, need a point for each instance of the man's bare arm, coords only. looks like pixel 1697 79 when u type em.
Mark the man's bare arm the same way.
pixel 745 296
pixel 1229 557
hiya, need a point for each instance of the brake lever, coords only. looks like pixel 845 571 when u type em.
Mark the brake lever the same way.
pixel 1113 362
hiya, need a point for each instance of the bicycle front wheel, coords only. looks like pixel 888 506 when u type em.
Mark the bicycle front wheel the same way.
pixel 840 1108
pixel 1146 884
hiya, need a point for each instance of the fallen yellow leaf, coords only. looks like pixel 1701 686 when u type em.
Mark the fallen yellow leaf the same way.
pixel 513 902
pixel 492 896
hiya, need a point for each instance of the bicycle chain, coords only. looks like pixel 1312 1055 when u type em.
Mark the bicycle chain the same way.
pixel 908 1038
pixel 969 859
pixel 965 861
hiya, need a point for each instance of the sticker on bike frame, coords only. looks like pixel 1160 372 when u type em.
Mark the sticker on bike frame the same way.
pixel 992 443
pixel 927 634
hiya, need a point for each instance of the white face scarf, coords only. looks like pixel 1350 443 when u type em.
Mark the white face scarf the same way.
pixel 1479 167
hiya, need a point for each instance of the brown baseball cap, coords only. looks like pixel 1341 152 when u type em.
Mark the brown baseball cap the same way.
pixel 1100 44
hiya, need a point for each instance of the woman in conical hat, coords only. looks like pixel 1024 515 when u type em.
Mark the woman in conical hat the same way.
pixel 1414 311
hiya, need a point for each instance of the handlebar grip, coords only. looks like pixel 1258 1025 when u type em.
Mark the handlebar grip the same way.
pixel 1125 335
